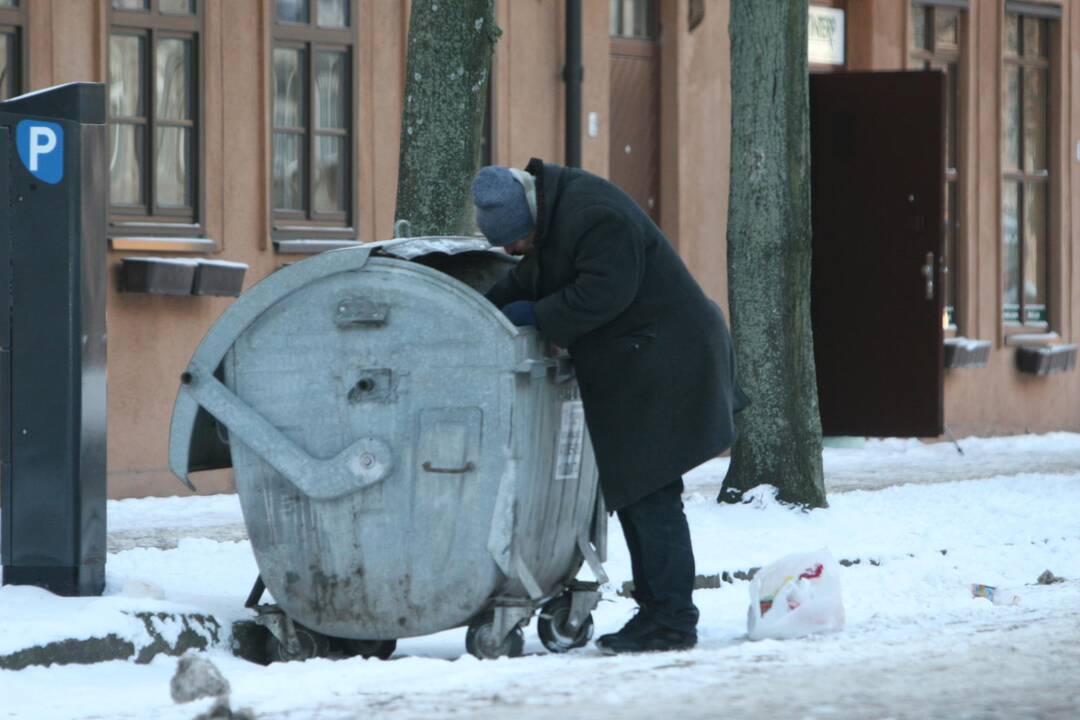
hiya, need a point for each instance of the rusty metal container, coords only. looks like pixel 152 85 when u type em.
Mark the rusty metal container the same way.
pixel 407 460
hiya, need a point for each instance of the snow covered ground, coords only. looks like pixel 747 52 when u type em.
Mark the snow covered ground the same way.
pixel 916 643
pixel 892 461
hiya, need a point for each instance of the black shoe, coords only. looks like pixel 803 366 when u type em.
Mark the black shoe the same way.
pixel 633 626
pixel 642 634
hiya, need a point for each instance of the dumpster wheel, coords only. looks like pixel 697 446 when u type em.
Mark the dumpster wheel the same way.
pixel 555 630
pixel 309 644
pixel 480 642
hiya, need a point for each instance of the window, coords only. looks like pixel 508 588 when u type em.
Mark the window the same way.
pixel 936 37
pixel 11 67
pixel 312 118
pixel 154 114
pixel 1026 174
pixel 634 19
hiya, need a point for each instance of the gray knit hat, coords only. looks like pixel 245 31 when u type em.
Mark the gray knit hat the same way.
pixel 505 200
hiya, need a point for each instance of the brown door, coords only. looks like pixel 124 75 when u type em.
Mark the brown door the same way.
pixel 877 149
pixel 635 120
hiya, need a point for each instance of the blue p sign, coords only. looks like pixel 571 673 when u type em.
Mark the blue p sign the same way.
pixel 41 149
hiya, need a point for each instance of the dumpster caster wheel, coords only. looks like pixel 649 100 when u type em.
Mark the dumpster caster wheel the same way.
pixel 381 649
pixel 554 628
pixel 311 645
pixel 480 643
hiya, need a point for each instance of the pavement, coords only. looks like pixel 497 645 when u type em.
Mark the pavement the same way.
pixel 944 464
pixel 1024 670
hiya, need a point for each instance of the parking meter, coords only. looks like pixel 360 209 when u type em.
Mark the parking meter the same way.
pixel 53 201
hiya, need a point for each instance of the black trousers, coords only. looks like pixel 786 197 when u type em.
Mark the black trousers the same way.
pixel 661 557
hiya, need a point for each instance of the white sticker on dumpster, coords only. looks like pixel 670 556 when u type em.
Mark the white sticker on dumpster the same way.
pixel 571 441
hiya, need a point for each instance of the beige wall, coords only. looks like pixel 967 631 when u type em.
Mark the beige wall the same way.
pixel 387 29
pixel 1072 57
pixel 152 338
pixel 876 34
pixel 695 125
pixel 528 88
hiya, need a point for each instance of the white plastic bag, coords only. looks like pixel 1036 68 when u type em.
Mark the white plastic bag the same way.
pixel 797 595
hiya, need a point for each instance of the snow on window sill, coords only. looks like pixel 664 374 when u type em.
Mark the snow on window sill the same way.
pixel 1029 339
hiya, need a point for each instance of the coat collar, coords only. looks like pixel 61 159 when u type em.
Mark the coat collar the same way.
pixel 549 179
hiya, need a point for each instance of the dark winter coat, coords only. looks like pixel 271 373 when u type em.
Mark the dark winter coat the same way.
pixel 652 353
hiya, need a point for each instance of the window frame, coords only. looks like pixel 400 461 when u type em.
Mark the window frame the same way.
pixel 129 224
pixel 939 58
pixel 1022 177
pixel 309 224
pixel 13 22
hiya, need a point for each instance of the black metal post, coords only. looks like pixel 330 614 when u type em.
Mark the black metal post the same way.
pixel 53 185
pixel 574 73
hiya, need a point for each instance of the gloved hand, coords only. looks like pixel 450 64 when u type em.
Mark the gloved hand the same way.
pixel 521 312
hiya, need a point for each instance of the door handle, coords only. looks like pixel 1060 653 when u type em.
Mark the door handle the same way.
pixel 928 274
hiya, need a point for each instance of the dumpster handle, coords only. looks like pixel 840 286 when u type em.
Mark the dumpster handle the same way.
pixel 562 365
pixel 534 368
pixel 592 557
pixel 364 463
pixel 469 467
pixel 564 368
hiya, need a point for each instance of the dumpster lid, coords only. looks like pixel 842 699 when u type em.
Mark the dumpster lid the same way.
pixel 411 248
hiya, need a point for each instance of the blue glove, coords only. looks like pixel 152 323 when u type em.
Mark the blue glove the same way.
pixel 521 312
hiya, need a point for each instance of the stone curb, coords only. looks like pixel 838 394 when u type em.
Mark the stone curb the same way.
pixel 198 632
pixel 716 580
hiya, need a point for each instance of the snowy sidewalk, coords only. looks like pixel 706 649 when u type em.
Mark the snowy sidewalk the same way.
pixel 886 462
pixel 916 643
pixel 161 522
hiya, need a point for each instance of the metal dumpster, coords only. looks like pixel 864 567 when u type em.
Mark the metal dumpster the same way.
pixel 407 460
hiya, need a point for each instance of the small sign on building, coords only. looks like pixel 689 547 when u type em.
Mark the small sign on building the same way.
pixel 826 36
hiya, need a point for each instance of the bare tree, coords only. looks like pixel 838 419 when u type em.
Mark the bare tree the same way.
pixel 447 76
pixel 769 250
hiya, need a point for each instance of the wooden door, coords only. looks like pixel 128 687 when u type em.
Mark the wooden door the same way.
pixel 877 149
pixel 635 120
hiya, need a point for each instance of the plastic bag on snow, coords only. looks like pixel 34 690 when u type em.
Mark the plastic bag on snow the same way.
pixel 797 595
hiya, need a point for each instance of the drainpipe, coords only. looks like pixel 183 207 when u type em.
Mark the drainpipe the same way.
pixel 573 73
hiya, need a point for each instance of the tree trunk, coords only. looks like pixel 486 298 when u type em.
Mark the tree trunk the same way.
pixel 769 249
pixel 446 86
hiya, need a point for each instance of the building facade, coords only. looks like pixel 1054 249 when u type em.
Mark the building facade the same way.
pixel 257 131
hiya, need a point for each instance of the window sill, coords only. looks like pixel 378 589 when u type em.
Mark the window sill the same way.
pixel 304 231
pixel 311 246
pixel 1032 339
pixel 132 243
